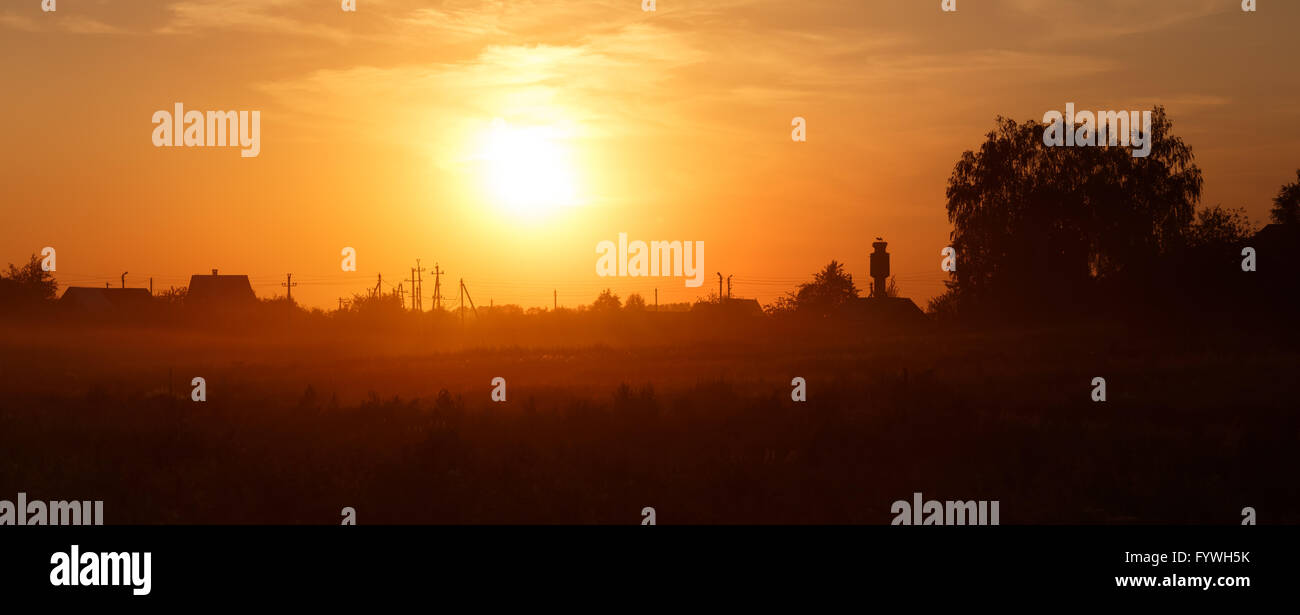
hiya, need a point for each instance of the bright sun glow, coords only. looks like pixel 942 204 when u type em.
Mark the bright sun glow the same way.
pixel 528 170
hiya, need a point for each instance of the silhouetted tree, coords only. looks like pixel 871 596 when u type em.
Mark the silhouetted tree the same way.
pixel 784 304
pixel 1034 224
pixel 830 288
pixel 1220 227
pixel 635 303
pixel 944 306
pixel 1206 273
pixel 504 310
pixel 370 303
pixel 1286 205
pixel 174 295
pixel 711 297
pixel 606 302
pixel 27 285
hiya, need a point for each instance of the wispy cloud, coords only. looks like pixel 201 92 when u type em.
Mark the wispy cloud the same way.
pixel 1063 21
pixel 18 22
pixel 57 22
pixel 292 17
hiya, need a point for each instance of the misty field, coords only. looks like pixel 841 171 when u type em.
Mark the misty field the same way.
pixel 1197 425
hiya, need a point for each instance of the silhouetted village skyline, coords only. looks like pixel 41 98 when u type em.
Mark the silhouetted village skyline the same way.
pixel 879 301
pixel 221 291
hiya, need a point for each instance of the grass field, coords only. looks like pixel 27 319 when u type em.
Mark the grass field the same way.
pixel 297 426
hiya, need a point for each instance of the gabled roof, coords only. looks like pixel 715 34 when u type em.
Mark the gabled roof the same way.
pixel 219 289
pixel 889 309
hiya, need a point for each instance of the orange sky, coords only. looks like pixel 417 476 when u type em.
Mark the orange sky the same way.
pixel 672 124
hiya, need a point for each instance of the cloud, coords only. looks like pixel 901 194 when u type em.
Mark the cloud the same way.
pixel 86 25
pixel 258 16
pixel 616 73
pixel 1101 20
pixel 531 84
pixel 58 22
pixel 18 22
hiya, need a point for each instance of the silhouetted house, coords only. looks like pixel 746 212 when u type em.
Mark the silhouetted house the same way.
pixel 899 310
pixel 1277 247
pixel 743 306
pixel 1277 252
pixel 219 291
pixel 730 306
pixel 106 300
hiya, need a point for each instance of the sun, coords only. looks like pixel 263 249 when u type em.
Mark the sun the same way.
pixel 528 170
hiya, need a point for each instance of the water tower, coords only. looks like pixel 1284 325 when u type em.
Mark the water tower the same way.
pixel 879 268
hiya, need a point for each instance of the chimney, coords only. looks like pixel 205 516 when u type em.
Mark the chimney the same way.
pixel 879 268
pixel 214 273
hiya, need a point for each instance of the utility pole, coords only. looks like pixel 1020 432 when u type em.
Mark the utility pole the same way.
pixel 124 278
pixel 437 287
pixel 401 296
pixel 418 286
pixel 555 300
pixel 288 283
pixel 378 286
pixel 729 286
pixel 656 299
pixel 464 294
pixel 415 286
pixel 415 291
pixel 719 287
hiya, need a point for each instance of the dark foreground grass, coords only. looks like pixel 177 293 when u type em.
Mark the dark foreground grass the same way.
pixel 1194 430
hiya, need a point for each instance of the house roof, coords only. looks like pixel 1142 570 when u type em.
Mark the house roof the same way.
pixel 105 299
pixel 214 288
pixel 892 309
pixel 734 305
